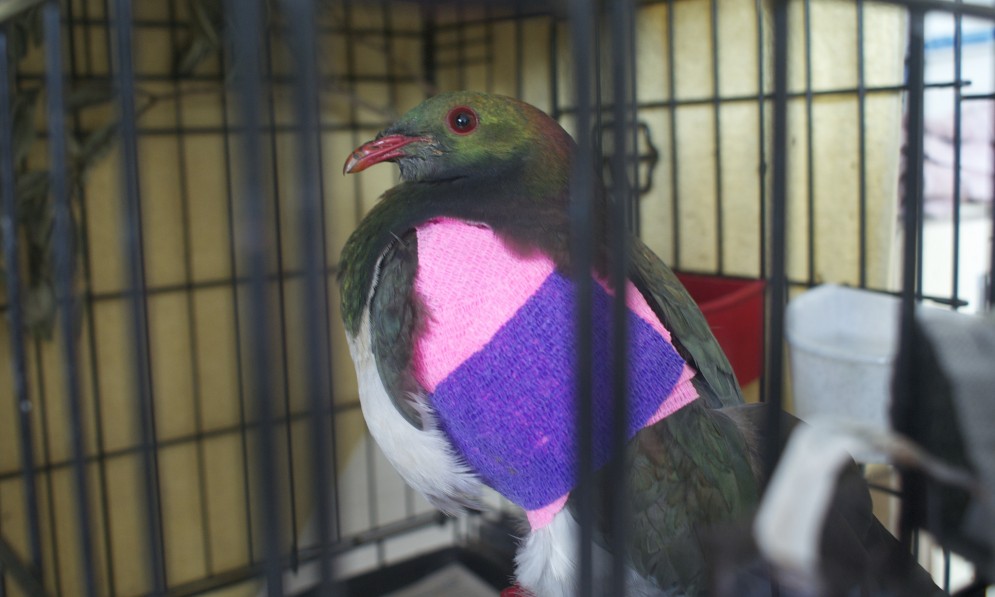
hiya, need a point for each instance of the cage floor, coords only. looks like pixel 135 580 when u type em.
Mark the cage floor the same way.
pixel 457 571
pixel 454 579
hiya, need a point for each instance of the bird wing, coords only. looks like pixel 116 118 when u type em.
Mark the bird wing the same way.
pixel 696 478
pixel 394 319
pixel 395 405
pixel 691 335
pixel 688 473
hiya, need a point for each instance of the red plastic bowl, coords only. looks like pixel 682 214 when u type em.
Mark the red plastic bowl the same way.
pixel 734 309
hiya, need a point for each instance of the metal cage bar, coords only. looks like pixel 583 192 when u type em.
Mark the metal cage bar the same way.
pixel 903 406
pixel 958 100
pixel 12 266
pixel 674 171
pixel 862 146
pixel 240 357
pixel 809 143
pixel 990 297
pixel 256 131
pixel 272 151
pixel 246 33
pixel 762 169
pixel 582 27
pixel 625 181
pixel 778 282
pixel 64 267
pixel 197 403
pixel 315 302
pixel 717 137
pixel 134 248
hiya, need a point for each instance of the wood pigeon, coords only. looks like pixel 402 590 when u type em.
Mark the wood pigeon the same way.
pixel 457 299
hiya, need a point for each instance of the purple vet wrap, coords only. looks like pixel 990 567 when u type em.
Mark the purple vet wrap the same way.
pixel 509 408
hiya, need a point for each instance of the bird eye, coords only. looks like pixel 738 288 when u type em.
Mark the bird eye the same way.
pixel 462 120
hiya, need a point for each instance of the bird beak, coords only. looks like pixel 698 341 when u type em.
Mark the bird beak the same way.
pixel 381 149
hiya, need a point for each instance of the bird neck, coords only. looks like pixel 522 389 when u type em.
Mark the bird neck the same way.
pixel 524 199
pixel 515 201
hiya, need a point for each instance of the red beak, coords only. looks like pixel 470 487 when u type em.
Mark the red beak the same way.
pixel 379 150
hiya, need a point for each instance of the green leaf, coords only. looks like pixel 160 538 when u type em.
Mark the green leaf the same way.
pixel 40 308
pixel 91 93
pixel 205 37
pixel 36 26
pixel 26 30
pixel 72 146
pixel 31 189
pixel 96 145
pixel 18 42
pixel 190 57
pixel 40 232
pixel 24 133
pixel 208 16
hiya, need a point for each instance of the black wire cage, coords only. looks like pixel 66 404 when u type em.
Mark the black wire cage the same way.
pixel 180 413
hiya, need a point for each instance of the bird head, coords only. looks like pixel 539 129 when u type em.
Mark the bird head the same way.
pixel 464 134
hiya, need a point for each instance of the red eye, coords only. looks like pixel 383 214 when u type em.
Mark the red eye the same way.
pixel 462 120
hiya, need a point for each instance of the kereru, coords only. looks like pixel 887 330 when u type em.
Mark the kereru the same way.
pixel 457 302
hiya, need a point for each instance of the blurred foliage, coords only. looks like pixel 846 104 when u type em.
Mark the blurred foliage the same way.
pixel 35 215
pixel 203 42
pixel 204 38
pixel 86 148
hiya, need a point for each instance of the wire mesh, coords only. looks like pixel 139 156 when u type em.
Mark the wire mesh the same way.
pixel 256 283
pixel 64 266
pixel 12 266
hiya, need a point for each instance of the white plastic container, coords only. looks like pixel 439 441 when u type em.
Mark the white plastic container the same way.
pixel 842 344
